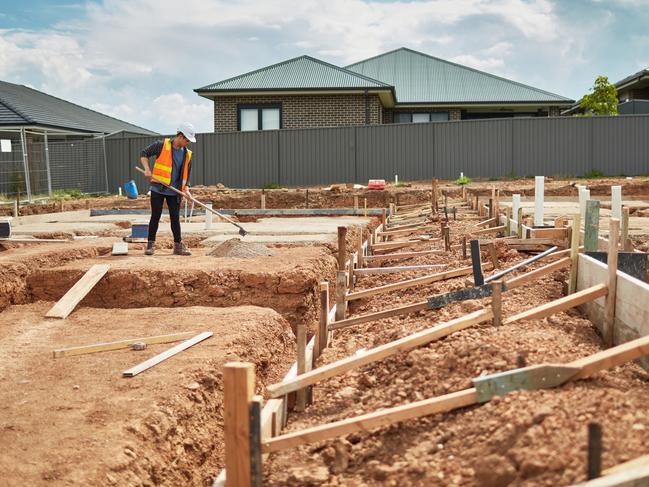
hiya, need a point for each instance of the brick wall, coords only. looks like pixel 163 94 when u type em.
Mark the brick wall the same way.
pixel 302 111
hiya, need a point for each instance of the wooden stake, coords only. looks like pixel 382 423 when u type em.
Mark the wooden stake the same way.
pixel 478 277
pixel 256 461
pixel 379 353
pixel 263 200
pixel 356 202
pixel 323 329
pixel 238 390
pixel 464 247
pixel 359 251
pixel 594 450
pixel 365 207
pixel 609 307
pixel 75 295
pixel 342 248
pixel 433 196
pixel 591 226
pixel 300 403
pixel 519 222
pixel 496 301
pixel 341 291
pixel 625 230
pixel 493 255
pixel 383 219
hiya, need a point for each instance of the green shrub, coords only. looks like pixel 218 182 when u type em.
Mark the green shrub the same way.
pixel 68 194
pixel 463 180
pixel 271 186
pixel 594 174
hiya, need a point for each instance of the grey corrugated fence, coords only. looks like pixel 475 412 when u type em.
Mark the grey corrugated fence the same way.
pixel 571 146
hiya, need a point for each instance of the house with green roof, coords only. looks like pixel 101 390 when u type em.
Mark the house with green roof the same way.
pixel 400 86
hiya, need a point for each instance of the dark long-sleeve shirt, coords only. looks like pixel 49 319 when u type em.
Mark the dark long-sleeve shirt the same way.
pixel 178 157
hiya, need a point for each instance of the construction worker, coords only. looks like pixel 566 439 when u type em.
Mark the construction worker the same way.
pixel 172 167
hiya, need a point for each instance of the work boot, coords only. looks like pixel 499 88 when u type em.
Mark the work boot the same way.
pixel 180 249
pixel 150 248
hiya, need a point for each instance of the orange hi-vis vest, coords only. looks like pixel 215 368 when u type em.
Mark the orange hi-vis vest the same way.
pixel 164 164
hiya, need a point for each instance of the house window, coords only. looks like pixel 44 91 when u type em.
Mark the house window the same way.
pixel 260 117
pixel 421 117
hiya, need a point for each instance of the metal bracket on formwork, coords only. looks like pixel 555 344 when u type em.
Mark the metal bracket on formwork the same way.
pixel 477 292
pixel 534 377
pixel 632 263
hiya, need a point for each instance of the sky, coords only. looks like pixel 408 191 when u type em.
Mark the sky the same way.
pixel 140 60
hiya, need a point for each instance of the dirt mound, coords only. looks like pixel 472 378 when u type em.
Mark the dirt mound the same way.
pixel 235 248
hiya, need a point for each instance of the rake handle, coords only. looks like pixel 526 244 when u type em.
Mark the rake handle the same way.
pixel 192 199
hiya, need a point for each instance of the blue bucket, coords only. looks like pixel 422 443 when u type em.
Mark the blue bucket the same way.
pixel 130 189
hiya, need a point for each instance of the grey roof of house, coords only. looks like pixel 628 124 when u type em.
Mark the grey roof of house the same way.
pixel 420 78
pixel 633 77
pixel 300 73
pixel 21 105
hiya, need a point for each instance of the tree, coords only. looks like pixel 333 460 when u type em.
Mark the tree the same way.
pixel 602 100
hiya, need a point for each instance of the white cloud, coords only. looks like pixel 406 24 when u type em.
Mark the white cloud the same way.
pixel 174 108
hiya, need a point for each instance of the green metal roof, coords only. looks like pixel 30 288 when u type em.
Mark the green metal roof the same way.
pixel 300 73
pixel 422 79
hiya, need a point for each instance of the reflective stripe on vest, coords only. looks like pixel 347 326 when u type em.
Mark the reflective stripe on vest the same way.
pixel 164 165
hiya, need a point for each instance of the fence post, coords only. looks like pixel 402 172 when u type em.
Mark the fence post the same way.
pixel 28 185
pixel 47 164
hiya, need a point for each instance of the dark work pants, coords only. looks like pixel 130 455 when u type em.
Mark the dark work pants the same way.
pixel 173 203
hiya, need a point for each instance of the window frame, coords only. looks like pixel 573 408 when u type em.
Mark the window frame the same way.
pixel 430 116
pixel 259 107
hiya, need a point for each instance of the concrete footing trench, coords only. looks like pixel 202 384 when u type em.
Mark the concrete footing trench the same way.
pixel 75 419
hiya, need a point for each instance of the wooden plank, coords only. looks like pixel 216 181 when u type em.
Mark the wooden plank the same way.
pixel 147 364
pixel 560 233
pixel 418 281
pixel 405 231
pixel 398 244
pixel 640 461
pixel 372 420
pixel 611 357
pixel 626 244
pixel 238 390
pixel 609 306
pixel 537 273
pixel 121 344
pixel 395 269
pixel 34 240
pixel 379 353
pixel 73 297
pixel 561 304
pixel 402 255
pixel 341 291
pixel 401 227
pixel 482 231
pixel 342 248
pixel 379 315
pixel 486 223
pixel 323 329
pixel 535 241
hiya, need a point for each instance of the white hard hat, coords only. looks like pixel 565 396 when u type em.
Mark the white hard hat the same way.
pixel 187 129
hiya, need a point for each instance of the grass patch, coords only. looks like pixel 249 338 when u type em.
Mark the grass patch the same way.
pixel 68 194
pixel 463 180
pixel 271 186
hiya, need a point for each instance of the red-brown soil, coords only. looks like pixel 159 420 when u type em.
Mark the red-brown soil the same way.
pixel 76 421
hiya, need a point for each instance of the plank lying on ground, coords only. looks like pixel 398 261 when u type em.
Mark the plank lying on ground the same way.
pixel 536 241
pixel 418 281
pixel 535 274
pixel 73 297
pixel 640 461
pixel 379 315
pixel 391 270
pixel 561 304
pixel 379 353
pixel 34 240
pixel 402 255
pixel 147 364
pixel 373 420
pixel 404 227
pixel 121 344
